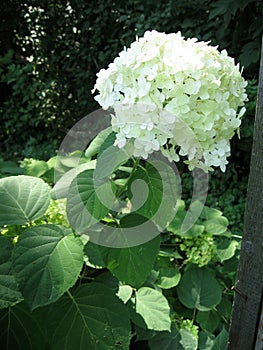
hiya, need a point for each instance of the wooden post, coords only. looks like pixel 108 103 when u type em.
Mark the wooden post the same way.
pixel 247 308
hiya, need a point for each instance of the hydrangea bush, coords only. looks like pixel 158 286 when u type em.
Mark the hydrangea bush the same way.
pixel 182 97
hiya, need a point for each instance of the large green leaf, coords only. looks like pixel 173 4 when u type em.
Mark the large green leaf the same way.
pixel 83 205
pixel 23 199
pixel 154 309
pixel 47 260
pixel 92 318
pixel 199 289
pixel 9 292
pixel 21 329
pixel 132 265
pixel 153 191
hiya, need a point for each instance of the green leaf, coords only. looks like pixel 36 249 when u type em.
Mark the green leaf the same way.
pixel 168 277
pixel 132 265
pixel 225 248
pixel 23 199
pixel 225 308
pixel 167 340
pixel 199 289
pixel 188 340
pixel 36 168
pixel 153 192
pixel 210 213
pixel 208 320
pixel 92 318
pixel 9 291
pixel 97 142
pixel 21 330
pixel 221 341
pixel 194 231
pixel 47 260
pixel 125 293
pixel 154 309
pixel 205 341
pixel 93 255
pixel 61 188
pixel 217 225
pixel 83 205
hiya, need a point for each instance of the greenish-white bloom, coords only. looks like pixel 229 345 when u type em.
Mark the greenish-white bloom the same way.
pixel 176 95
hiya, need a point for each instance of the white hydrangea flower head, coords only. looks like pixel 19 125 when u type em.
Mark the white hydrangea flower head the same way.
pixel 176 95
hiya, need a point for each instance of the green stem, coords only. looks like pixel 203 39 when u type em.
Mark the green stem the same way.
pixel 135 166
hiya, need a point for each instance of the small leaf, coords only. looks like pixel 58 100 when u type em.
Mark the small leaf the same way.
pixel 208 320
pixel 124 293
pixel 91 318
pixel 96 143
pixel 199 289
pixel 23 199
pixel 47 260
pixel 217 225
pixel 168 277
pixel 154 309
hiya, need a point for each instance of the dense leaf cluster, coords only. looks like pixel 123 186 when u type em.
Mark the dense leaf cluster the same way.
pixel 60 290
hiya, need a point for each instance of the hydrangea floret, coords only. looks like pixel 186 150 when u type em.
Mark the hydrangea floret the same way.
pixel 180 96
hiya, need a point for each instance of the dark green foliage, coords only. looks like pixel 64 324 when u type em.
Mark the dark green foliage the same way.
pixel 52 50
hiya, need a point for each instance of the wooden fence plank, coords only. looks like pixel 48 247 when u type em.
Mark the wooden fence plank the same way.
pixel 249 286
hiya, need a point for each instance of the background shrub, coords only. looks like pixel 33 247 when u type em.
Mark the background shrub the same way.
pixel 52 50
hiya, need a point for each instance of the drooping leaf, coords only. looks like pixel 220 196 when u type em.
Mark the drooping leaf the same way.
pixel 199 289
pixel 97 142
pixel 154 309
pixel 168 277
pixel 225 248
pixel 21 329
pixel 91 318
pixel 47 260
pixel 23 199
pixel 9 291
